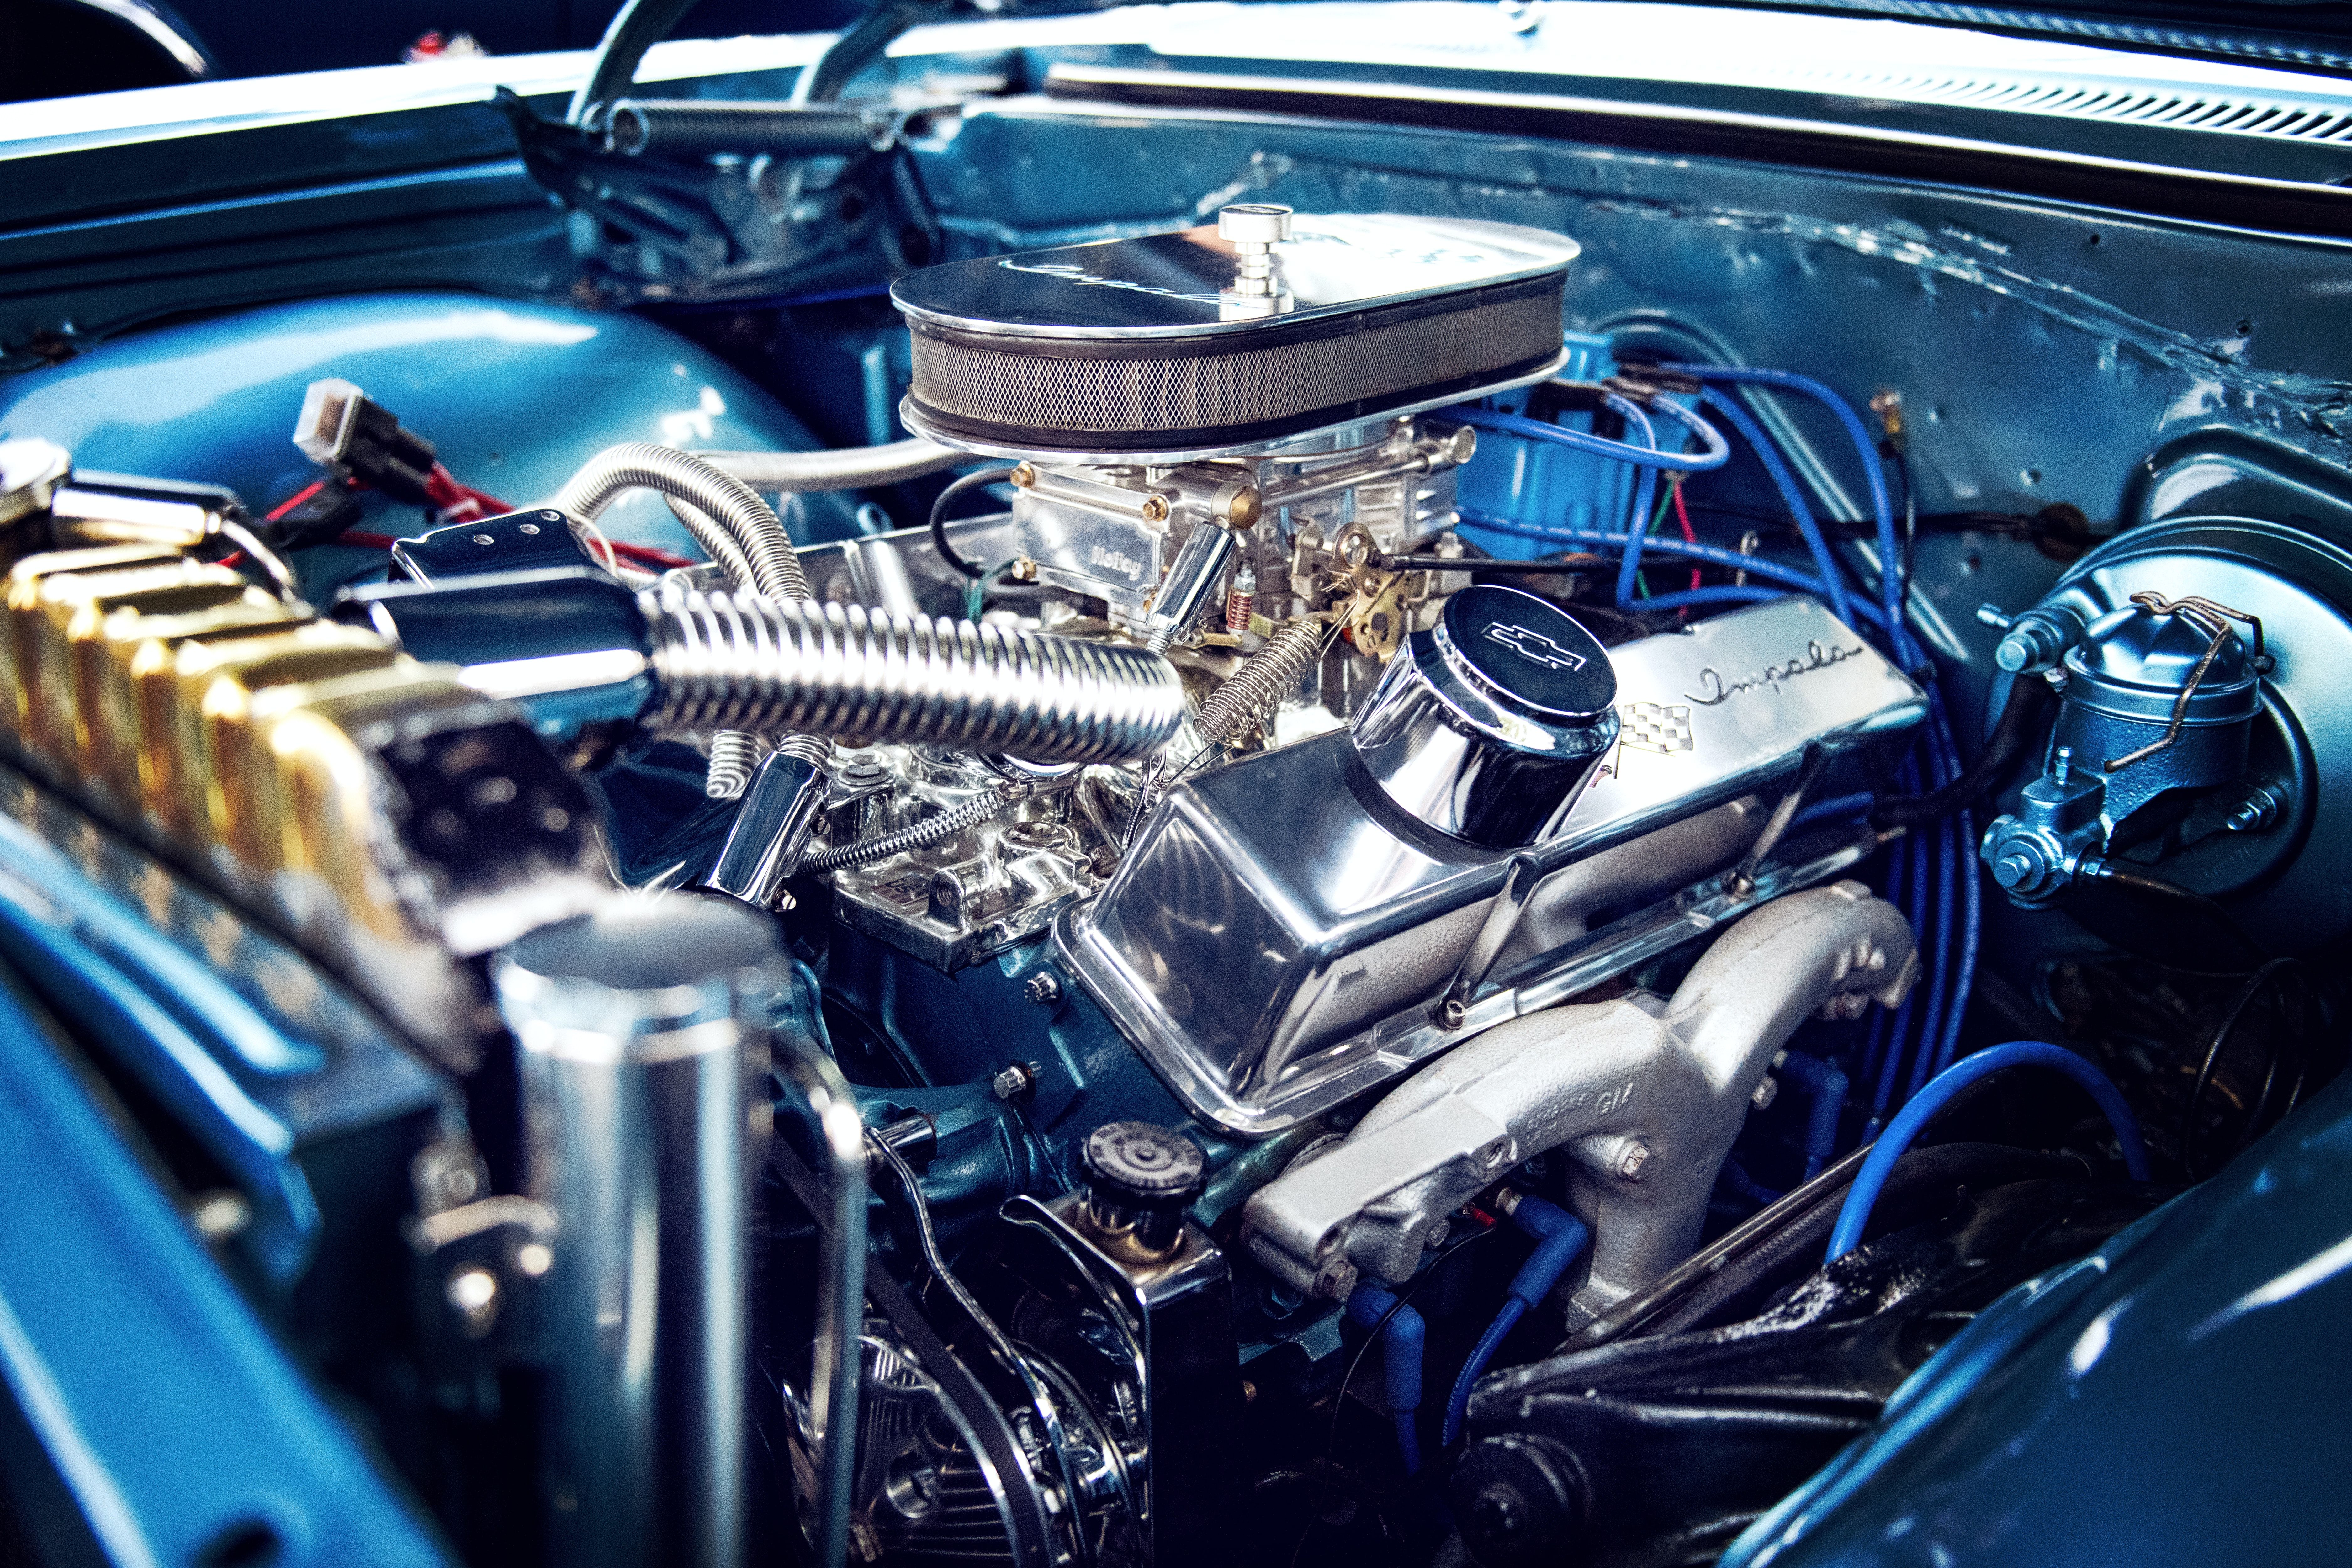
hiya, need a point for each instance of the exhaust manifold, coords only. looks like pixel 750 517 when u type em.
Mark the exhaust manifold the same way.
pixel 1645 1094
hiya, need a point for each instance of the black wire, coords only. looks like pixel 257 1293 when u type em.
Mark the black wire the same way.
pixel 940 516
pixel 2231 1019
pixel 2008 740
pixel 1371 1338
pixel 2187 901
pixel 1404 1299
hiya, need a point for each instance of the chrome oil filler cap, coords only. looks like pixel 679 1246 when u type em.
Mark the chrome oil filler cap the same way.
pixel 1217 340
pixel 1486 726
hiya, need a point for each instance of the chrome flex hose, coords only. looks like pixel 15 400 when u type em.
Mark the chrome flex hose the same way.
pixel 915 835
pixel 738 661
pixel 738 529
pixel 1259 687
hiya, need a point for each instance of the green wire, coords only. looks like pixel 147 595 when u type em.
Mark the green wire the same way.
pixel 1641 576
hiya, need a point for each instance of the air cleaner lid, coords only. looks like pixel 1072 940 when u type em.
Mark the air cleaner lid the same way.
pixel 1173 285
pixel 1189 344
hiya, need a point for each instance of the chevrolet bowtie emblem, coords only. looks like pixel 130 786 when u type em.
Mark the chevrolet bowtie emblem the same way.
pixel 1535 647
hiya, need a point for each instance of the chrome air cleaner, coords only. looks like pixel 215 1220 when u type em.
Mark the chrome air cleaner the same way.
pixel 1218 340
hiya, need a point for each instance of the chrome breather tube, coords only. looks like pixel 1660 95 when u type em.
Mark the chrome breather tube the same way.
pixel 738 661
pixel 643 1050
pixel 839 467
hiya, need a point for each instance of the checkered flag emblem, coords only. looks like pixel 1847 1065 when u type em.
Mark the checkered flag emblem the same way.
pixel 1654 727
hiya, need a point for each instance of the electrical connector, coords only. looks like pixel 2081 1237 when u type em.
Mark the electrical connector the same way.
pixel 342 426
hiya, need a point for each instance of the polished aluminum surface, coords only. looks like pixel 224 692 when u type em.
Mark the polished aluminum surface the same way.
pixel 1645 1095
pixel 1167 285
pixel 764 846
pixel 735 661
pixel 1275 912
pixel 644 1048
pixel 1486 725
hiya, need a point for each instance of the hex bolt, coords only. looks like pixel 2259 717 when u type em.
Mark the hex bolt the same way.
pixel 1016 1081
pixel 1631 1161
pixel 1497 1514
pixel 1767 1091
pixel 2018 868
pixel 473 1291
pixel 1044 988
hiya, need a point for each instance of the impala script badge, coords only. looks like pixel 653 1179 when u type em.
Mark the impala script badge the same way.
pixel 1535 647
pixel 1714 688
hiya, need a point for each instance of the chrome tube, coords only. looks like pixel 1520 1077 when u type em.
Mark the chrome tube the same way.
pixel 643 1053
pixel 842 468
pixel 740 662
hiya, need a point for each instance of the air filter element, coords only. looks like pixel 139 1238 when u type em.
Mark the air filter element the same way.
pixel 1268 327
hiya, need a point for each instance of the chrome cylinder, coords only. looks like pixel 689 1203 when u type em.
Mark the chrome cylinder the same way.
pixel 763 847
pixel 644 1044
pixel 735 661
pixel 1198 571
pixel 1486 726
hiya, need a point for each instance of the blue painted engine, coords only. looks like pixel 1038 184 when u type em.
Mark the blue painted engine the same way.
pixel 1094 828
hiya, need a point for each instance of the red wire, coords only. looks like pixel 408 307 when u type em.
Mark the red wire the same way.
pixel 1690 536
pixel 463 503
pixel 296 498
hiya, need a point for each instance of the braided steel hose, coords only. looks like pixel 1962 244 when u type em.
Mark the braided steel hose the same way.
pixel 734 505
pixel 737 661
pixel 738 531
pixel 931 830
pixel 1259 687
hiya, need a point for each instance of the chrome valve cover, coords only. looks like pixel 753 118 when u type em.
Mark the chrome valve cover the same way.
pixel 1276 913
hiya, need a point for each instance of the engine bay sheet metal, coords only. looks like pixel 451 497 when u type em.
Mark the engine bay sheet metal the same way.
pixel 1311 920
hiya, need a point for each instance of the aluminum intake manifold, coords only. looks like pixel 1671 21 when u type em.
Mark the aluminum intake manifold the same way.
pixel 1646 1094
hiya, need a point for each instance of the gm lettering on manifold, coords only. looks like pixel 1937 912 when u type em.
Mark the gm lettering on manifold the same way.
pixel 1535 647
pixel 1115 560
pixel 1714 688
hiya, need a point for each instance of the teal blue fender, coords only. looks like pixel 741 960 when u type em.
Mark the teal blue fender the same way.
pixel 515 395
pixel 2182 1395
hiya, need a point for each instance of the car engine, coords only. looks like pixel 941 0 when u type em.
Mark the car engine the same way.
pixel 1266 956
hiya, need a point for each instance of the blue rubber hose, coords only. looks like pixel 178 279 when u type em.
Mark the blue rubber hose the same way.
pixel 1826 1087
pixel 1401 1344
pixel 1791 496
pixel 1559 1236
pixel 1879 1165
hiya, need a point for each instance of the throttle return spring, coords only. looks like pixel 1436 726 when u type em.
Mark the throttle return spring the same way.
pixel 1259 687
